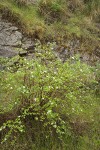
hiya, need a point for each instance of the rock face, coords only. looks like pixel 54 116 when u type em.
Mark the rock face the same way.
pixel 12 40
pixel 73 47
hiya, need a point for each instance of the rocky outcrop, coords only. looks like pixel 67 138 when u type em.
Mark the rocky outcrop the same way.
pixel 73 47
pixel 12 40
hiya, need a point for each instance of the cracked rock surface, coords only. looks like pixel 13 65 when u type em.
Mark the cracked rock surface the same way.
pixel 12 40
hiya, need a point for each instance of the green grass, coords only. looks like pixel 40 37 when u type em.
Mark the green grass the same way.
pixel 26 17
pixel 47 19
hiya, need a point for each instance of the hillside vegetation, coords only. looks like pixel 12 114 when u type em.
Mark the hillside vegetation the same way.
pixel 54 20
pixel 47 104
pixel 57 19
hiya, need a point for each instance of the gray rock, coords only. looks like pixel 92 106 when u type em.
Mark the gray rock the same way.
pixel 12 40
pixel 9 36
pixel 7 51
pixel 23 54
pixel 28 44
